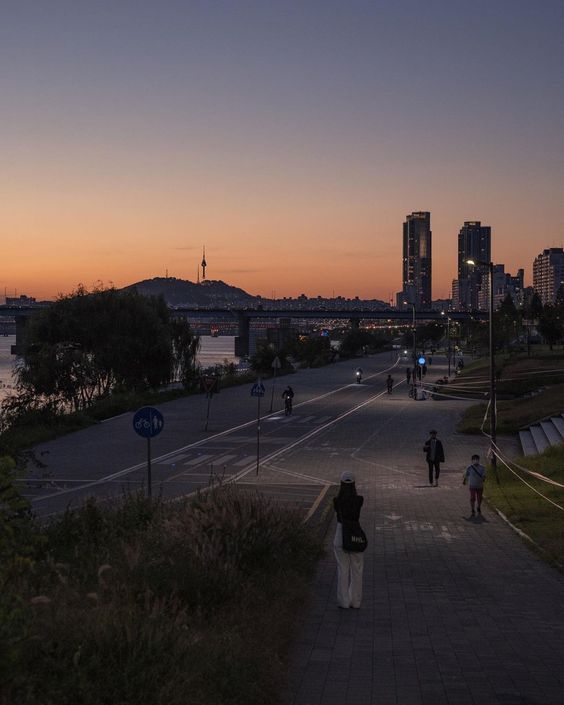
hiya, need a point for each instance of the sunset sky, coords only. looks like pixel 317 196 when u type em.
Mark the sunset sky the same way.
pixel 291 138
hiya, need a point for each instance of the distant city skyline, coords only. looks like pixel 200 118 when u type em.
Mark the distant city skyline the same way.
pixel 290 139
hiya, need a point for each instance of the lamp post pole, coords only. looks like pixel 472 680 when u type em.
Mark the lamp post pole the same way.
pixel 414 333
pixel 414 344
pixel 493 411
pixel 448 340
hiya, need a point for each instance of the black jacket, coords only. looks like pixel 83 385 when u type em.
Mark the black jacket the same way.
pixel 439 452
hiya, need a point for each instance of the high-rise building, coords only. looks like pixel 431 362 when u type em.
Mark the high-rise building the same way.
pixel 474 243
pixel 417 259
pixel 548 273
pixel 503 284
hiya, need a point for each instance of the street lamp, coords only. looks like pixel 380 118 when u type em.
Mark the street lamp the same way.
pixel 493 419
pixel 448 339
pixel 407 303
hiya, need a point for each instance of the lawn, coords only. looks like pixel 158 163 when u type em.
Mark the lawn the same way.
pixel 534 515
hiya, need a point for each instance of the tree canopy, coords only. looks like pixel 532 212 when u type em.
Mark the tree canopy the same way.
pixel 88 345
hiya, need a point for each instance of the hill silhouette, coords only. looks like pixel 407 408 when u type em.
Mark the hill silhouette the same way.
pixel 181 292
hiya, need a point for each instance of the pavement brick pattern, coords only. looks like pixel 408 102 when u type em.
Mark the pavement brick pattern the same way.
pixel 456 610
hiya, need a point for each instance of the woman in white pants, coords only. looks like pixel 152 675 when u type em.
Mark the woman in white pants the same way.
pixel 349 564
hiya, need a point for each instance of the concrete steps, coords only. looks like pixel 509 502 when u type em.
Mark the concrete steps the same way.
pixel 538 437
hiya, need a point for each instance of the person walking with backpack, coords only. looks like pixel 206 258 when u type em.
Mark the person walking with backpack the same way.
pixel 475 476
pixel 350 564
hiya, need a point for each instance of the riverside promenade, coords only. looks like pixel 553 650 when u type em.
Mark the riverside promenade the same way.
pixel 456 610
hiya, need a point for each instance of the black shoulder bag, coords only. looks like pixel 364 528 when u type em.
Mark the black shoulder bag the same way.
pixel 354 538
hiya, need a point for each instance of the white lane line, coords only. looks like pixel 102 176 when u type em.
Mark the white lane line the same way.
pixel 203 441
pixel 307 436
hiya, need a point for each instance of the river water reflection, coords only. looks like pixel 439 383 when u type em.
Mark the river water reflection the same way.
pixel 213 351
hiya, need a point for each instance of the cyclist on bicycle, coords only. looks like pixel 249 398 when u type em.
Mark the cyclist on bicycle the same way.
pixel 288 395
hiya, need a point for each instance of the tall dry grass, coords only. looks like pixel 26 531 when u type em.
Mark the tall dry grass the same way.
pixel 192 602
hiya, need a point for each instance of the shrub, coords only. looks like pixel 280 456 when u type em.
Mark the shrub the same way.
pixel 164 603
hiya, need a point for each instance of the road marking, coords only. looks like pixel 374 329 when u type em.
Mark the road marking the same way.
pixel 221 434
pixel 174 459
pixel 316 503
pixel 243 461
pixel 224 459
pixel 307 419
pixel 199 459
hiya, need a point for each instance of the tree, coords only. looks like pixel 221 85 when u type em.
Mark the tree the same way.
pixel 313 351
pixel 264 356
pixel 560 297
pixel 534 307
pixel 505 322
pixel 551 324
pixel 89 345
pixel 185 347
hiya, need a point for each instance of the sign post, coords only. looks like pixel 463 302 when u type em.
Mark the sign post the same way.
pixel 209 384
pixel 148 422
pixel 258 392
pixel 275 366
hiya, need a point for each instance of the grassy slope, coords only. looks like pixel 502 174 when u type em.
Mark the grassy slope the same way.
pixel 539 519
pixel 534 515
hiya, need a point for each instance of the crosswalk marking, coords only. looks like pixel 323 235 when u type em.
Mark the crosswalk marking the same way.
pixel 174 459
pixel 244 461
pixel 323 419
pixel 199 459
pixel 223 459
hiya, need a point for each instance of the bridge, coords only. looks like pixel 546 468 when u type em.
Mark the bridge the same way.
pixel 242 318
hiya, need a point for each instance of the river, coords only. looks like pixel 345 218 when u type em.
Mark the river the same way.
pixel 213 351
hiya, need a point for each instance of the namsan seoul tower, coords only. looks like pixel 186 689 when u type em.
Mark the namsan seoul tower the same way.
pixel 204 264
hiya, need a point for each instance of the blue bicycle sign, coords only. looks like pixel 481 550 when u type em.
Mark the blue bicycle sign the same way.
pixel 148 422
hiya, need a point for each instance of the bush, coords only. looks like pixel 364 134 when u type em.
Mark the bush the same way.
pixel 154 603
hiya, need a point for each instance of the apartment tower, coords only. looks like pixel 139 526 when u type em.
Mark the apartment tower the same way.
pixel 548 274
pixel 474 243
pixel 417 259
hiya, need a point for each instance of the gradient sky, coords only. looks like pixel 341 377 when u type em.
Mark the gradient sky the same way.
pixel 291 138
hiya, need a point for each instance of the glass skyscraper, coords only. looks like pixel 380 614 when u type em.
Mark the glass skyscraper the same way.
pixel 417 259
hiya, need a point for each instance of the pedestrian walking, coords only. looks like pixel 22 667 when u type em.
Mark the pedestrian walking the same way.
pixel 408 374
pixel 390 384
pixel 475 476
pixel 435 455
pixel 350 564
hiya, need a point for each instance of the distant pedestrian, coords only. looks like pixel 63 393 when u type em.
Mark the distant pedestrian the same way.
pixel 350 564
pixel 435 455
pixel 408 374
pixel 430 359
pixel 475 476
pixel 390 384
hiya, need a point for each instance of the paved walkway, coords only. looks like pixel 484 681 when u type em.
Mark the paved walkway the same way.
pixel 456 611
